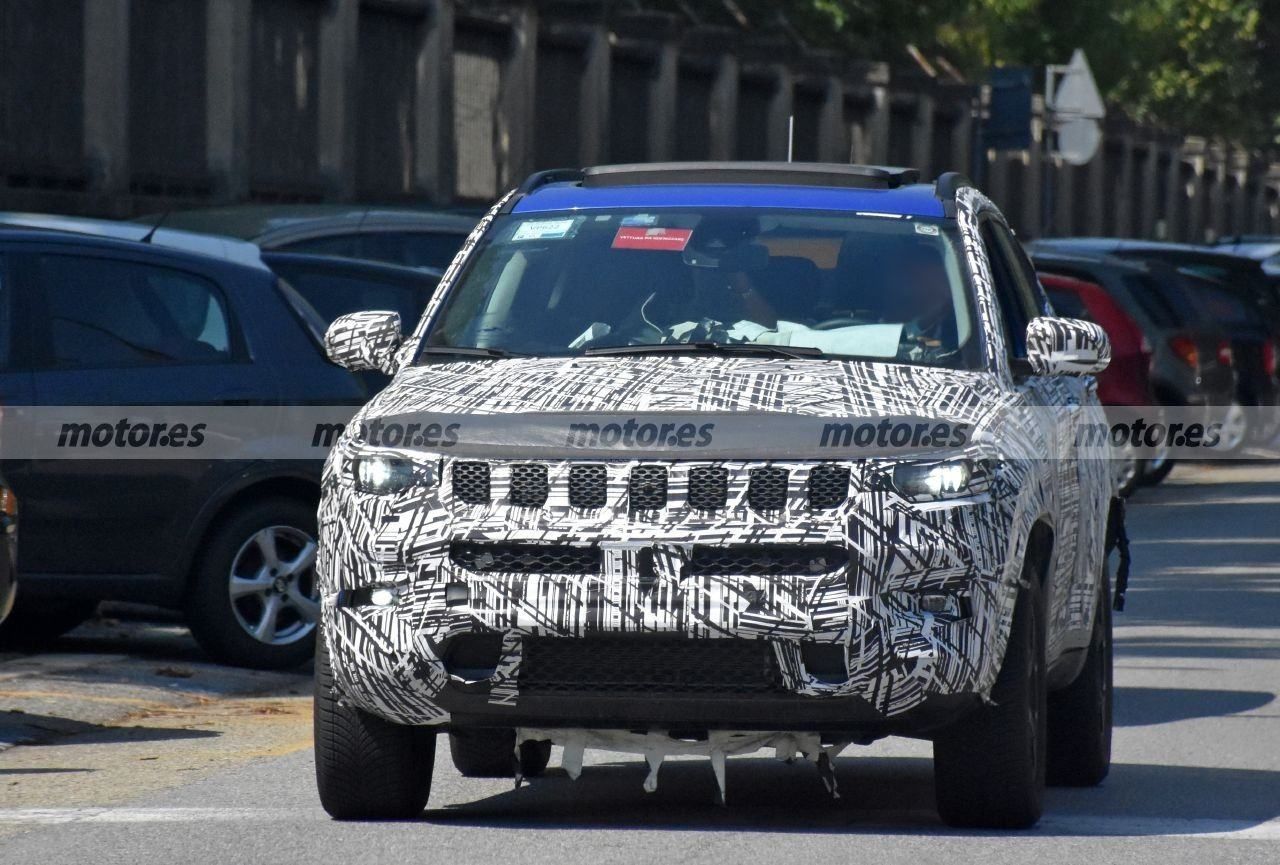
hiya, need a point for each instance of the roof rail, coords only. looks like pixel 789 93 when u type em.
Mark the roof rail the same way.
pixel 773 173
pixel 542 178
pixel 946 187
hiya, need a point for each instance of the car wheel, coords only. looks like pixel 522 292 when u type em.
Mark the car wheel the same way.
pixel 1080 714
pixel 1127 471
pixel 490 754
pixel 36 621
pixel 989 768
pixel 367 768
pixel 1235 430
pixel 254 601
pixel 1155 470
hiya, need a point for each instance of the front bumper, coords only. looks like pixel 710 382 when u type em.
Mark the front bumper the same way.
pixel 845 645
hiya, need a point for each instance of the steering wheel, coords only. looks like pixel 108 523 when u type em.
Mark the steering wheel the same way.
pixel 840 321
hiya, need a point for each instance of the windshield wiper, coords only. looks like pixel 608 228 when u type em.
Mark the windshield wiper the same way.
pixel 466 351
pixel 733 348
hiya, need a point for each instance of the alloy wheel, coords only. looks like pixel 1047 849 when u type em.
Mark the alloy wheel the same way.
pixel 273 586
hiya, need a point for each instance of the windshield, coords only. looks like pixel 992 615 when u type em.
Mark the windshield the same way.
pixel 788 283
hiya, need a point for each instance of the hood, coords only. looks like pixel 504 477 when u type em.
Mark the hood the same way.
pixel 688 385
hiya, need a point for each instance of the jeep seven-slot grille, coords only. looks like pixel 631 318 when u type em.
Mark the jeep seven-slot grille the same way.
pixel 828 487
pixel 767 489
pixel 708 487
pixel 648 488
pixel 525 558
pixel 645 664
pixel 588 486
pixel 529 485
pixel 471 483
pixel 765 560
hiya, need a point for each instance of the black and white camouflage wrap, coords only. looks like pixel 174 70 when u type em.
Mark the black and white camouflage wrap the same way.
pixel 364 340
pixel 1067 345
pixel 387 660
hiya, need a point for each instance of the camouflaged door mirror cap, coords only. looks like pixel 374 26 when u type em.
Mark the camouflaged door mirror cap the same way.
pixel 1067 346
pixel 361 341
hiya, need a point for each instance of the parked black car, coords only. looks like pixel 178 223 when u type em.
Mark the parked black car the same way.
pixel 1253 350
pixel 104 321
pixel 1242 275
pixel 1191 360
pixel 1262 248
pixel 396 235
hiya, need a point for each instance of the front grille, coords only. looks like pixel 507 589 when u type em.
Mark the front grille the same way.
pixel 648 488
pixel 529 485
pixel 647 665
pixel 525 558
pixel 708 487
pixel 588 486
pixel 471 483
pixel 765 560
pixel 828 487
pixel 767 489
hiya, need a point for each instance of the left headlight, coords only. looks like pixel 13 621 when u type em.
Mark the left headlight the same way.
pixel 932 481
pixel 387 474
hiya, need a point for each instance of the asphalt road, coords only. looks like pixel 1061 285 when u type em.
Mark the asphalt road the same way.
pixel 207 765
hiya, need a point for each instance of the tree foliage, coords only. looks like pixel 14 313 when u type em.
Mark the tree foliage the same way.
pixel 1208 67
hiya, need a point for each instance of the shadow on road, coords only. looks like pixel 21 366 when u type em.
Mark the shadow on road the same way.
pixel 878 795
pixel 30 728
pixel 1142 707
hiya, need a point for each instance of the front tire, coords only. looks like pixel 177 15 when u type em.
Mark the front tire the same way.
pixel 1080 719
pixel 253 601
pixel 367 768
pixel 491 754
pixel 989 768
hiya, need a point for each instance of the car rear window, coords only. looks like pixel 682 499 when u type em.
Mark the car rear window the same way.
pixel 427 249
pixel 1152 295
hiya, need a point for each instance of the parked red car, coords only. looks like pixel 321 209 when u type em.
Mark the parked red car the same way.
pixel 1127 380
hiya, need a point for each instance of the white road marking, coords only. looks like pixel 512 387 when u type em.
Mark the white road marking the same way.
pixel 1074 825
pixel 49 816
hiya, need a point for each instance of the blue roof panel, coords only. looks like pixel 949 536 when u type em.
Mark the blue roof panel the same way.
pixel 915 200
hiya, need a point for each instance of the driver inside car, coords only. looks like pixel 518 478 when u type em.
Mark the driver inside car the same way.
pixel 926 308
pixel 728 303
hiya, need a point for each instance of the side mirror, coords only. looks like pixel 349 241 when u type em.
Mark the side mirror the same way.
pixel 364 341
pixel 1067 346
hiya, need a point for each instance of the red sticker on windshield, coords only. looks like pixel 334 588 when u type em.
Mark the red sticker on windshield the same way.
pixel 664 239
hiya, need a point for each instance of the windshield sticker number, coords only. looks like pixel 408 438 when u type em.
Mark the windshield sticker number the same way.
pixel 662 239
pixel 545 229
pixel 926 228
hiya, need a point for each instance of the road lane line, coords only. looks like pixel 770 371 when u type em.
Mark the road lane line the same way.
pixel 1081 825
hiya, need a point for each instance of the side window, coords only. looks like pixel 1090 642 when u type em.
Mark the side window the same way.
pixel 104 313
pixel 1014 283
pixel 341 245
pixel 413 248
pixel 333 293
